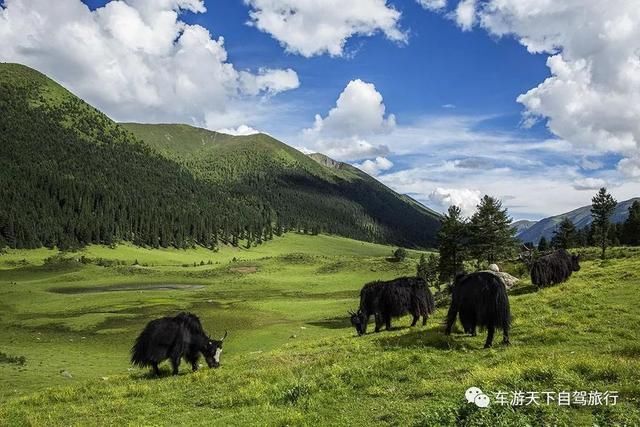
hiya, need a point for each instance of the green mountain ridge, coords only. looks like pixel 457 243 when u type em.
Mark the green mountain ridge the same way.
pixel 71 176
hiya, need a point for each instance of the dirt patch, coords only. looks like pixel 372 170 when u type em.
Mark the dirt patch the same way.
pixel 127 288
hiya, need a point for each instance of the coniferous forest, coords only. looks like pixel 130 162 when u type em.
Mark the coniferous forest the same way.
pixel 69 176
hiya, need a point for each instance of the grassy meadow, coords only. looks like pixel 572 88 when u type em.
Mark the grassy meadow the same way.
pixel 291 358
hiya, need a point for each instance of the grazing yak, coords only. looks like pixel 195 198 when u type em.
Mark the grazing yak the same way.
pixel 481 300
pixel 393 298
pixel 174 338
pixel 554 268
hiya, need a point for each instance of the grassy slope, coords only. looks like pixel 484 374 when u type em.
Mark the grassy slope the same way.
pixel 50 317
pixel 582 335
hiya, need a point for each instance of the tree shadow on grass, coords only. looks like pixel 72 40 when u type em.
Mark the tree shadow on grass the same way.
pixel 426 337
pixel 523 290
pixel 333 323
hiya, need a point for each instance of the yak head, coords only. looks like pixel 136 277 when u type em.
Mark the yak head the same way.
pixel 359 321
pixel 575 262
pixel 212 351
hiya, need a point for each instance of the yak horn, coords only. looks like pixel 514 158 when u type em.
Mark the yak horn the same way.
pixel 225 335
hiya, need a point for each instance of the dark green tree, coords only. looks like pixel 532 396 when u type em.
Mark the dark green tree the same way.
pixel 491 235
pixel 565 235
pixel 427 269
pixel 452 241
pixel 602 206
pixel 400 254
pixel 543 245
pixel 631 227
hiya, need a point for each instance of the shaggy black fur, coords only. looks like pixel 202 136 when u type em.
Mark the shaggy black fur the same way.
pixel 554 268
pixel 481 300
pixel 393 298
pixel 174 338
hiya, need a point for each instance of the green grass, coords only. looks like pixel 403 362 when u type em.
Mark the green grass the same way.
pixel 291 357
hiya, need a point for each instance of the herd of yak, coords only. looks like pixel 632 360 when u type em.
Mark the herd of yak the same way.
pixel 479 299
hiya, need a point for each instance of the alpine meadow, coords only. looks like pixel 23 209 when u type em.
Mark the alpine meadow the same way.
pixel 319 213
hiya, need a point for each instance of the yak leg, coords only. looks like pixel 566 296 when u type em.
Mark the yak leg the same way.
pixel 491 331
pixel 505 334
pixel 451 319
pixel 425 316
pixel 378 318
pixel 175 363
pixel 193 360
pixel 156 371
pixel 416 316
pixel 387 322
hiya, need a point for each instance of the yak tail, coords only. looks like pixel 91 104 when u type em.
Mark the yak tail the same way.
pixel 431 302
pixel 502 309
pixel 536 274
pixel 140 350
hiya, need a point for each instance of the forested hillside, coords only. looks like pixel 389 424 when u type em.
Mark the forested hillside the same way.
pixel 70 176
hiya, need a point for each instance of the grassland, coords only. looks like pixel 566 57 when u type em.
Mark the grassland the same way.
pixel 291 357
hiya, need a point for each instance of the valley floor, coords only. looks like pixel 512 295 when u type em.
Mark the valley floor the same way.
pixel 291 357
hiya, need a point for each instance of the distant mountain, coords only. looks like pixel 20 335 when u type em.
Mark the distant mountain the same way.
pixel 581 217
pixel 71 176
pixel 522 225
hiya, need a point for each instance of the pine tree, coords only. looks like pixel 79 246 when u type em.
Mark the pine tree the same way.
pixel 602 207
pixel 492 236
pixel 427 269
pixel 543 245
pixel 565 236
pixel 452 240
pixel 631 227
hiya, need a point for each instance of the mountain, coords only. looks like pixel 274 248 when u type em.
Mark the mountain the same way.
pixel 313 192
pixel 522 225
pixel 581 217
pixel 71 176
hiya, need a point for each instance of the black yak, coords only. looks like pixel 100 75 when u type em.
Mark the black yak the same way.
pixel 174 338
pixel 554 268
pixel 481 300
pixel 393 298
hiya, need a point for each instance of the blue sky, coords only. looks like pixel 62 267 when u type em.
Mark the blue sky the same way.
pixel 442 100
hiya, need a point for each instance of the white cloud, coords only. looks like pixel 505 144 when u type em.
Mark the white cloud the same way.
pixel 464 198
pixel 242 130
pixel 135 60
pixel 465 14
pixel 311 27
pixel 374 167
pixel 269 81
pixel 433 4
pixel 589 184
pixel 592 98
pixel 359 113
pixel 630 167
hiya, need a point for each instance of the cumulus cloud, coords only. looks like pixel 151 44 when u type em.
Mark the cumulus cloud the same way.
pixel 359 112
pixel 374 167
pixel 592 98
pixel 433 4
pixel 589 184
pixel 269 81
pixel 136 59
pixel 310 27
pixel 465 14
pixel 464 198
pixel 242 130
